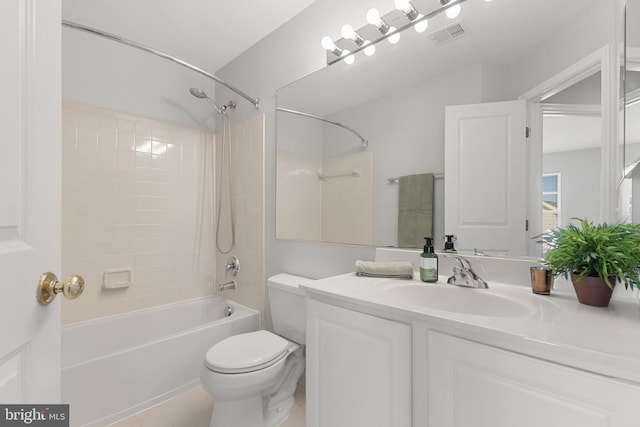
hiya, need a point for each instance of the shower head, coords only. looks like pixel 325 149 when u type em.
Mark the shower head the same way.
pixel 199 93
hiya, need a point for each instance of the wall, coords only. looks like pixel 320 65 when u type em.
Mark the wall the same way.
pixel 580 182
pixel 408 120
pixel 294 51
pixel 417 116
pixel 597 28
pixel 347 201
pixel 299 197
pixel 131 200
pixel 100 72
pixel 287 54
pixel 299 159
pixel 247 189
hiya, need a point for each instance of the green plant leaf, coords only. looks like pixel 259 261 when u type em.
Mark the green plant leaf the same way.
pixel 589 249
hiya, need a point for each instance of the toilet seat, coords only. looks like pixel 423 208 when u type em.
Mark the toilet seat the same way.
pixel 247 352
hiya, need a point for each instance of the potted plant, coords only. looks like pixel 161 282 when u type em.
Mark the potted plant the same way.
pixel 596 257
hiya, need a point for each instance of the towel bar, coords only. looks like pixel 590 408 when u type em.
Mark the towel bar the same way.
pixel 395 179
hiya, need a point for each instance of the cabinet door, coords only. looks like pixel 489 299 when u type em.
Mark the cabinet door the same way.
pixel 475 385
pixel 358 369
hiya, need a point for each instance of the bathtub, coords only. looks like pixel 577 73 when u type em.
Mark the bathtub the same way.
pixel 115 366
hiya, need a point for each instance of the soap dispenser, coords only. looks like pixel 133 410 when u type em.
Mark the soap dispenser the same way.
pixel 448 244
pixel 428 262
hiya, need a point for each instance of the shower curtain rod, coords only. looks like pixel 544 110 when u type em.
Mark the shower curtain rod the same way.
pixel 300 113
pixel 131 43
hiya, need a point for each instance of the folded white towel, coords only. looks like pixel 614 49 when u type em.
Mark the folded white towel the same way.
pixel 392 269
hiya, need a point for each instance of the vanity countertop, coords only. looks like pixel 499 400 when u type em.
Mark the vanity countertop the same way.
pixel 555 327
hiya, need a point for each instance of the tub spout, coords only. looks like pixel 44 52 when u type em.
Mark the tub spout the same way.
pixel 228 285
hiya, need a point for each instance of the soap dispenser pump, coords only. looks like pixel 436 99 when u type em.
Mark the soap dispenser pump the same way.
pixel 428 262
pixel 448 244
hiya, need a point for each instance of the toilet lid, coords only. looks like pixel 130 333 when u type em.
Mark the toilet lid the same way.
pixel 246 352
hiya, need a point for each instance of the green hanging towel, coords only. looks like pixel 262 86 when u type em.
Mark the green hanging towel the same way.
pixel 415 210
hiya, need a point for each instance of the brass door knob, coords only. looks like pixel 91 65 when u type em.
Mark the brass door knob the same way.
pixel 49 287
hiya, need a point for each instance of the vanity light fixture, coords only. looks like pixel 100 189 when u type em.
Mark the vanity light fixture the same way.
pixel 412 14
pixel 394 37
pixel 370 48
pixel 328 44
pixel 373 18
pixel 422 25
pixel 349 58
pixel 453 11
pixel 343 48
pixel 348 33
pixel 406 7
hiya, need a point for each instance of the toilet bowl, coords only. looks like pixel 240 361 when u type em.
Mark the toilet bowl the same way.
pixel 253 376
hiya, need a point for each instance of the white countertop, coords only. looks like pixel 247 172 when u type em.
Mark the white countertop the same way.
pixel 555 327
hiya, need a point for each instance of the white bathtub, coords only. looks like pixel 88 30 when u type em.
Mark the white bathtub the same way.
pixel 118 365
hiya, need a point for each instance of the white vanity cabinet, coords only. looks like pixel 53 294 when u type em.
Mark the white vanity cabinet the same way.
pixel 375 359
pixel 476 385
pixel 358 369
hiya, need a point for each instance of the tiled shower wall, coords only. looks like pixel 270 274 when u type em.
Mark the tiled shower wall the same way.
pixel 347 201
pixel 337 209
pixel 247 184
pixel 131 201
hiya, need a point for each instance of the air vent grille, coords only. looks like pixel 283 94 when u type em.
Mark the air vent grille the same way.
pixel 447 34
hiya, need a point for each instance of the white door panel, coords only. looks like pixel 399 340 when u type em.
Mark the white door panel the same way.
pixel 485 177
pixel 29 198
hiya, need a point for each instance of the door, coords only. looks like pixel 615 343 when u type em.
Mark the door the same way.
pixel 485 175
pixel 29 198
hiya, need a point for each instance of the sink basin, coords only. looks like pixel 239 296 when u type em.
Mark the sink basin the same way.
pixel 479 302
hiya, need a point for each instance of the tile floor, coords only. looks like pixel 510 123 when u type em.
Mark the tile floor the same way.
pixel 193 409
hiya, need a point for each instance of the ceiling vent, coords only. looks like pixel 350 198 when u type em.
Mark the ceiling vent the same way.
pixel 447 34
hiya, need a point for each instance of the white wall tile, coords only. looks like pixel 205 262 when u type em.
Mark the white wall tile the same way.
pixel 248 166
pixel 130 200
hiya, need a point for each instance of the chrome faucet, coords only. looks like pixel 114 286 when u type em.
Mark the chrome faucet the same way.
pixel 228 285
pixel 463 274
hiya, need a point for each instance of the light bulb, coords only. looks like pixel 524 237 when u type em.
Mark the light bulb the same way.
pixel 421 26
pixel 373 17
pixel 348 59
pixel 370 49
pixel 327 43
pixel 403 5
pixel 348 32
pixel 453 11
pixel 395 37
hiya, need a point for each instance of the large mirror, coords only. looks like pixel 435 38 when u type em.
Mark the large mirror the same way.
pixel 333 188
pixel 631 151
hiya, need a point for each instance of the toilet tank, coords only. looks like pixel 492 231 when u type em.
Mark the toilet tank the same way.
pixel 288 306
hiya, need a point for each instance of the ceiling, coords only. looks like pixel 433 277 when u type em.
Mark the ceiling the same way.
pixel 205 33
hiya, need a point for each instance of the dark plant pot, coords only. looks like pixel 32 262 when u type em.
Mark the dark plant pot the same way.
pixel 592 290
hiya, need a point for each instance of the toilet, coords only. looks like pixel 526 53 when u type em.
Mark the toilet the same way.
pixel 253 376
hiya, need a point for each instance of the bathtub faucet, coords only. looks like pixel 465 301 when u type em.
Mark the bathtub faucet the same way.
pixel 228 285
